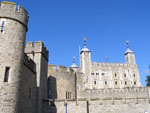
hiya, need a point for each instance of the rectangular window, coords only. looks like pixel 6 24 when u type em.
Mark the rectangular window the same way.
pixel 66 95
pixel 29 93
pixel 105 82
pixel 2 26
pixel 103 74
pixel 95 82
pixel 97 73
pixel 6 74
pixel 92 73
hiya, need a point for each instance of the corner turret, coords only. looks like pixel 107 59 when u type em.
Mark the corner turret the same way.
pixel 129 55
pixel 74 66
pixel 85 63
pixel 11 11
pixel 13 28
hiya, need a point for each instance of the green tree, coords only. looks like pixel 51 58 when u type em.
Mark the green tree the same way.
pixel 148 78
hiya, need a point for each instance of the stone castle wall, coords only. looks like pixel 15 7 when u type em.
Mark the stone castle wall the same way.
pixel 114 75
pixel 39 54
pixel 62 82
pixel 12 39
pixel 114 93
pixel 130 105
pixel 28 89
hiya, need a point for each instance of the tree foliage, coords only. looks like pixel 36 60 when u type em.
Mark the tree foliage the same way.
pixel 147 80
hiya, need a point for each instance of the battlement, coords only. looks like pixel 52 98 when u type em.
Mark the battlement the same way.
pixel 29 63
pixel 60 68
pixel 38 47
pixel 112 64
pixel 10 10
pixel 116 93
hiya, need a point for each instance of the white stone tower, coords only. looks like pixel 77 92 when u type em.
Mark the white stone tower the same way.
pixel 85 64
pixel 129 55
pixel 13 28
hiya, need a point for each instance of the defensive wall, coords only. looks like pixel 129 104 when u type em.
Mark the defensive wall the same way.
pixel 115 104
pixel 37 47
pixel 108 64
pixel 62 82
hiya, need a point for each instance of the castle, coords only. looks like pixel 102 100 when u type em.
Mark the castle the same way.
pixel 29 85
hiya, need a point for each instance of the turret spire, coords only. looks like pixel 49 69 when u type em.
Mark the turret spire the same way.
pixel 85 42
pixel 128 49
pixel 107 59
pixel 127 44
pixel 74 59
pixel 74 65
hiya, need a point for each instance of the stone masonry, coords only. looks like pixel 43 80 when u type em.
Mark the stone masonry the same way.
pixel 29 85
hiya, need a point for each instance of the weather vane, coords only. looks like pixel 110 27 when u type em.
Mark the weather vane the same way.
pixel 85 42
pixel 106 58
pixel 74 59
pixel 127 43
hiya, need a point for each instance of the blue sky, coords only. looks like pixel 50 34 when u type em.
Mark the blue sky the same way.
pixel 107 24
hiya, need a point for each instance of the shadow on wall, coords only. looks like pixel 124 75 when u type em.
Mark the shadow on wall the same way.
pixel 53 108
pixel 52 87
pixel 50 107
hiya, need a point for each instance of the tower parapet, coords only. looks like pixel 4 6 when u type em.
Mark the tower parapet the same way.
pixel 12 38
pixel 11 11
pixel 38 47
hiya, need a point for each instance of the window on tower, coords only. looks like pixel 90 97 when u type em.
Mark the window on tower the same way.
pixel 92 73
pixel 6 74
pixel 134 83
pixel 97 73
pixel 103 74
pixel 95 82
pixel 125 75
pixel 2 26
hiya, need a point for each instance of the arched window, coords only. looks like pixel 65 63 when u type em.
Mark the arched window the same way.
pixel 125 75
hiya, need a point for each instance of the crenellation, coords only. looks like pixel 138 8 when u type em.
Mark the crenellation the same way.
pixel 29 63
pixel 8 10
pixel 36 87
pixel 38 47
pixel 51 68
pixel 61 68
pixel 29 44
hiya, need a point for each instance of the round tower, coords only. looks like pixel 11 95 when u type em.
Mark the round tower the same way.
pixel 13 28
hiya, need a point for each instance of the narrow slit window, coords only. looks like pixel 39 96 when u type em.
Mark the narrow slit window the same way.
pixel 66 95
pixel 6 74
pixel 29 93
pixel 2 26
